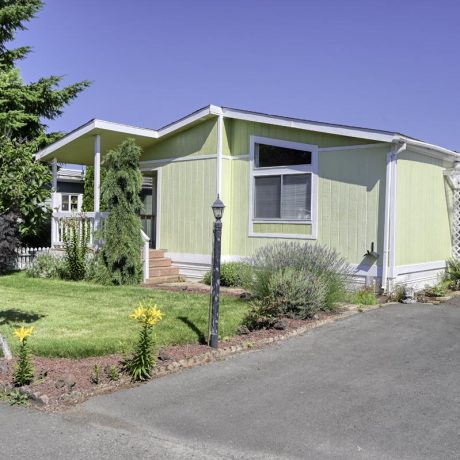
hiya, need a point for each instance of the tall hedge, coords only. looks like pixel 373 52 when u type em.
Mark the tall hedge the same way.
pixel 121 250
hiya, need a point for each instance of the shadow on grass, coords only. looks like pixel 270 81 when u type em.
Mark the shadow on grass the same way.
pixel 194 328
pixel 13 316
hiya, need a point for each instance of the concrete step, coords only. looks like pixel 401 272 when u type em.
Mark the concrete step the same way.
pixel 163 279
pixel 160 262
pixel 156 253
pixel 163 271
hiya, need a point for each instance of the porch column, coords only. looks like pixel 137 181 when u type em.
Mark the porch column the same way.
pixel 97 172
pixel 54 204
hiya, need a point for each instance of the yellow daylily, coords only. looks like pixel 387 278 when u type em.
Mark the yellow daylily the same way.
pixel 23 332
pixel 149 315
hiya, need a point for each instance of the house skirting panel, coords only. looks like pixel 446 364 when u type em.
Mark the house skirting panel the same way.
pixel 194 266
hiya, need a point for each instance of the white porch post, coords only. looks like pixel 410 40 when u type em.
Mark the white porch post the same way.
pixel 97 172
pixel 54 229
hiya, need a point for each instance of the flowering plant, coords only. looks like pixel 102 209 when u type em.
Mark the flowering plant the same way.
pixel 140 365
pixel 24 373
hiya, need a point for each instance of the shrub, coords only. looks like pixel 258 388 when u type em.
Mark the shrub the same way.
pixel 438 290
pixel 140 365
pixel 453 273
pixel 75 237
pixel 96 270
pixel 122 229
pixel 232 274
pixel 47 266
pixel 364 297
pixel 324 264
pixel 9 241
pixel 291 293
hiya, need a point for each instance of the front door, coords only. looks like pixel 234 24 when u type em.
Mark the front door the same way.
pixel 149 207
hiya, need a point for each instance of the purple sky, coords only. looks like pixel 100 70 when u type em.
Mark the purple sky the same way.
pixel 380 64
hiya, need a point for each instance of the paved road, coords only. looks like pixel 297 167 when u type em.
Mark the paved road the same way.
pixel 381 385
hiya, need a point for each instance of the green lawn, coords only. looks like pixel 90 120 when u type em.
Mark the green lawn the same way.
pixel 82 319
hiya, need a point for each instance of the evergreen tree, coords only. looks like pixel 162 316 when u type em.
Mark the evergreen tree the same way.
pixel 88 191
pixel 121 188
pixel 24 109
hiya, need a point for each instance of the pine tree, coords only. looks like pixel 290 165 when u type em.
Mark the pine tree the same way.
pixel 121 188
pixel 24 109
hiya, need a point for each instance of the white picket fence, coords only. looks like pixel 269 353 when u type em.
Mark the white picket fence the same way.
pixel 27 255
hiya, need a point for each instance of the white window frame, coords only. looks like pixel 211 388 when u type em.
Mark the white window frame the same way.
pixel 254 172
pixel 79 200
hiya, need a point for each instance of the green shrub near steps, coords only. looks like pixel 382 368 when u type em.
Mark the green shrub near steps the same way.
pixel 232 274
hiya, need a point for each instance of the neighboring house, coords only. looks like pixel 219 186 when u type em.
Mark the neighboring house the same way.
pixel 380 198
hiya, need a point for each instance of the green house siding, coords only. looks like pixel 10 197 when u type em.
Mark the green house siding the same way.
pixel 187 191
pixel 351 202
pixel 198 140
pixel 237 134
pixel 422 210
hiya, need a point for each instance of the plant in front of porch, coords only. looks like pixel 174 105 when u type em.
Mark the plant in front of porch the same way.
pixel 122 229
pixel 75 236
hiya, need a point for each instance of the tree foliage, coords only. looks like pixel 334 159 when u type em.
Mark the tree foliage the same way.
pixel 88 192
pixel 9 241
pixel 24 110
pixel 120 190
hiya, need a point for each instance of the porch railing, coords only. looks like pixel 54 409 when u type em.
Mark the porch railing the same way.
pixel 93 220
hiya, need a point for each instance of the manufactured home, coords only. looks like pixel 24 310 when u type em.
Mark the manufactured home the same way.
pixel 385 201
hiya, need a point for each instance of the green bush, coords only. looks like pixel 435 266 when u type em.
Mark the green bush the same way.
pixel 76 239
pixel 363 297
pixel 47 266
pixel 329 270
pixel 96 271
pixel 453 274
pixel 232 274
pixel 438 290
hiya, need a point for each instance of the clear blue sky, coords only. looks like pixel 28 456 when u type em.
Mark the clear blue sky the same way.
pixel 381 64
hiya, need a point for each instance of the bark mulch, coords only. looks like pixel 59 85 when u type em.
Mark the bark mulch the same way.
pixel 62 382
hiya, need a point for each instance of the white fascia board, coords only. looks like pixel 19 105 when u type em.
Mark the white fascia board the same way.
pixel 125 129
pixel 88 127
pixel 185 121
pixel 432 150
pixel 309 126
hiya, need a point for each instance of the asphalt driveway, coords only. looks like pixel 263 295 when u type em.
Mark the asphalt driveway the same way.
pixel 380 385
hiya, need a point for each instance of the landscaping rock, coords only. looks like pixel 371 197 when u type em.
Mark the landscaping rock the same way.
pixel 4 368
pixel 281 324
pixel 243 330
pixel 163 356
pixel 67 381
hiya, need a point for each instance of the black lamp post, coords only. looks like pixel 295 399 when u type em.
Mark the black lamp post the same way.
pixel 218 210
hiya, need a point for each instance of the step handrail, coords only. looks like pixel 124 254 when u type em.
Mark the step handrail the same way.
pixel 146 261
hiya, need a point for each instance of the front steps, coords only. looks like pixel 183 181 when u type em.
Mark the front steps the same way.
pixel 161 270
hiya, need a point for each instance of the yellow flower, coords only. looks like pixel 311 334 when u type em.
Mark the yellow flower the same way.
pixel 23 332
pixel 149 315
pixel 154 315
pixel 138 313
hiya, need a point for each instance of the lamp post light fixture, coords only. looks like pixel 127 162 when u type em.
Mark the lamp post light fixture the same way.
pixel 218 211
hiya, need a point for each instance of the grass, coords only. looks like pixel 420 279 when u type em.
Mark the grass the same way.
pixel 362 297
pixel 82 319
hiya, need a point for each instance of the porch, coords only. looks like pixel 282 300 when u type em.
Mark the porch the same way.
pixel 156 267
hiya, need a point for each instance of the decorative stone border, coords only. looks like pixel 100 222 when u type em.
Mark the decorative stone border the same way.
pixel 205 358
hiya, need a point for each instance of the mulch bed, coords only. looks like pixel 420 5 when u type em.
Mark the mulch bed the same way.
pixel 63 382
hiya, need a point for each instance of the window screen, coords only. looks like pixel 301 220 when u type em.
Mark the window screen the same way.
pixel 267 197
pixel 283 197
pixel 268 156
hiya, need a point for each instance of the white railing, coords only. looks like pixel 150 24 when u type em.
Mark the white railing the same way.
pixel 145 255
pixel 92 219
pixel 27 255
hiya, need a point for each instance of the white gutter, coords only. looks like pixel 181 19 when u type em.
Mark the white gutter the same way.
pixel 389 232
pixel 220 130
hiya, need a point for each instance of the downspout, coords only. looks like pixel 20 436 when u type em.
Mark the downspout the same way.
pixel 389 233
pixel 220 129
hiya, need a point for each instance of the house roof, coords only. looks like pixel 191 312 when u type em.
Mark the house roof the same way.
pixel 78 145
